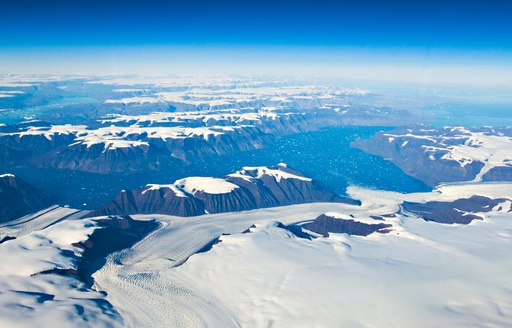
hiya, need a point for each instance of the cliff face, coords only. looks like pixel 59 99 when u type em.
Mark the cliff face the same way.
pixel 413 160
pixel 124 149
pixel 135 143
pixel 448 154
pixel 153 199
pixel 249 188
pixel 17 198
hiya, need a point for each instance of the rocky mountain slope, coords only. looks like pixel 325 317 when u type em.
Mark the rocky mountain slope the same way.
pixel 447 154
pixel 151 128
pixel 249 188
pixel 18 198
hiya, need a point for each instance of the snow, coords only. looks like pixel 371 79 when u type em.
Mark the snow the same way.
pixel 39 221
pixel 50 132
pixel 392 137
pixel 207 185
pixel 491 150
pixel 248 172
pixel 128 90
pixel 351 281
pixel 235 117
pixel 362 219
pixel 114 137
pixel 138 100
pixel 172 187
pixel 418 270
pixel 29 299
pixel 464 146
pixel 42 250
pixel 108 143
pixel 9 94
pixel 215 93
pixel 210 185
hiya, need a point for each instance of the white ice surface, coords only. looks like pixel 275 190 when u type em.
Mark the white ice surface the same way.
pixel 39 221
pixel 31 299
pixel 131 100
pixel 421 274
pixel 205 184
pixel 260 171
pixel 176 190
pixel 114 137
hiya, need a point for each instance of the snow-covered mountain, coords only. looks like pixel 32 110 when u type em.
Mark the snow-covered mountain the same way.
pixel 249 188
pixel 120 143
pixel 448 154
pixel 306 264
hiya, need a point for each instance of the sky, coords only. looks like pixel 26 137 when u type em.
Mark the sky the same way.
pixel 450 41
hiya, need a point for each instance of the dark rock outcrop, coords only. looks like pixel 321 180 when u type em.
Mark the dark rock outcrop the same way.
pixel 17 198
pixel 499 173
pixel 114 234
pixel 160 200
pixel 325 224
pixel 249 188
pixel 459 211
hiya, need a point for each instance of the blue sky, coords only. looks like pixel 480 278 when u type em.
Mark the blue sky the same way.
pixel 119 35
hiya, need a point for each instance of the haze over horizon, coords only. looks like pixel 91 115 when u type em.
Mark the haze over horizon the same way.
pixel 460 42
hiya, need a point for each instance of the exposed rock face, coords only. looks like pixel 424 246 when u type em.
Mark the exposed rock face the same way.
pixel 153 199
pixel 498 173
pixel 461 211
pixel 325 224
pixel 123 149
pixel 449 154
pixel 117 233
pixel 249 188
pixel 152 141
pixel 17 198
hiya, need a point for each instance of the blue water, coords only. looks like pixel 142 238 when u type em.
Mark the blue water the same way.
pixel 328 157
pixel 469 114
pixel 324 155
pixel 14 116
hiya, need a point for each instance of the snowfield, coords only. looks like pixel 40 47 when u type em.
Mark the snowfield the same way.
pixel 249 269
pixel 207 185
pixel 421 274
pixel 29 298
pixel 217 93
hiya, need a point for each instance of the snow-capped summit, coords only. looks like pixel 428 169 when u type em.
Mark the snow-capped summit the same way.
pixel 249 188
